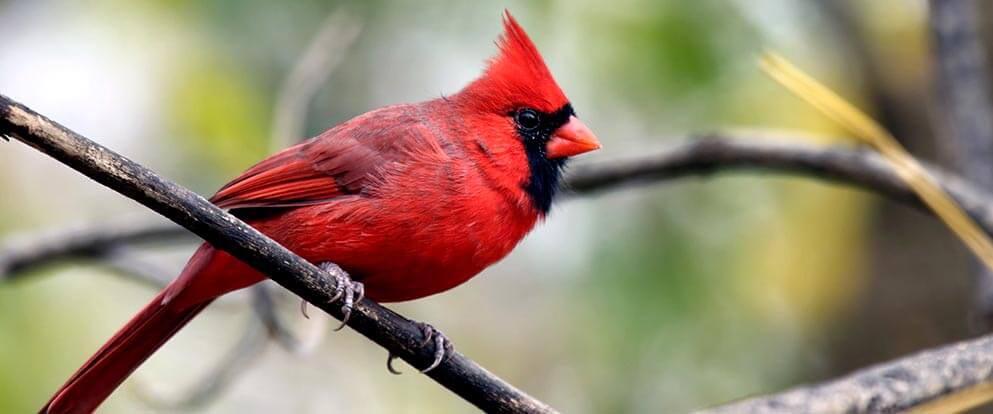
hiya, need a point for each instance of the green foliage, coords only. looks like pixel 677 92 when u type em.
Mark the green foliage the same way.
pixel 668 50
pixel 220 114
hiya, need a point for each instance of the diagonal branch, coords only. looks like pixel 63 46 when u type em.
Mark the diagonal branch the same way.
pixel 958 372
pixel 312 69
pixel 388 329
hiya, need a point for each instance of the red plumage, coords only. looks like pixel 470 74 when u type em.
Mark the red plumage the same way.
pixel 411 200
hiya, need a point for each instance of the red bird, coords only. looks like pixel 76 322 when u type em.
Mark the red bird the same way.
pixel 410 200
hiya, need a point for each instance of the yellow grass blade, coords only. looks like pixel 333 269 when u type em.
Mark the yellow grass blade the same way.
pixel 864 128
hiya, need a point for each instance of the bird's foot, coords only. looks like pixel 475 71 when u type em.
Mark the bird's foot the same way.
pixel 347 290
pixel 442 347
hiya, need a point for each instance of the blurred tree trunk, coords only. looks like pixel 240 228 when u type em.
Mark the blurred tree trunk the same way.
pixel 963 111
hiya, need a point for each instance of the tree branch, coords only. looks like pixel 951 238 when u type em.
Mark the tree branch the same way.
pixel 959 371
pixel 23 252
pixel 963 87
pixel 964 113
pixel 388 329
pixel 721 152
pixel 121 259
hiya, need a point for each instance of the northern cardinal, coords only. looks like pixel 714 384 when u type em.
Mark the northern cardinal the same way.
pixel 410 200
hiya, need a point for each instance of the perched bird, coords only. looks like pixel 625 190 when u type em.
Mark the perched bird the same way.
pixel 409 200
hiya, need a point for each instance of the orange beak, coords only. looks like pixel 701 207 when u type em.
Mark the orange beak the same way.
pixel 573 138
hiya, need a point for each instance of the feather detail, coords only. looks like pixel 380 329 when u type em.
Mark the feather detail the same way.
pixel 516 77
pixel 349 159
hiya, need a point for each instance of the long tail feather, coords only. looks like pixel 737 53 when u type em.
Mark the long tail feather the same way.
pixel 200 282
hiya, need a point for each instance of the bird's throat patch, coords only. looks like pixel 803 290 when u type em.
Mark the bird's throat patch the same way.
pixel 545 174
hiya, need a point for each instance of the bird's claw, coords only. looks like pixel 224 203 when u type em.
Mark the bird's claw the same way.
pixel 442 347
pixel 351 292
pixel 303 308
pixel 348 291
pixel 389 364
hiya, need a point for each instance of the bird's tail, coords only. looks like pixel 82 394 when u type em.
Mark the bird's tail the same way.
pixel 171 309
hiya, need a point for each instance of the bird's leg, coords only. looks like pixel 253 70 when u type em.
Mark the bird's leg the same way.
pixel 442 347
pixel 349 291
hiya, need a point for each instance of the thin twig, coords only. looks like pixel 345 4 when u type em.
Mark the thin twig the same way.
pixel 123 260
pixel 388 329
pixel 312 70
pixel 20 253
pixel 265 309
pixel 248 349
pixel 264 326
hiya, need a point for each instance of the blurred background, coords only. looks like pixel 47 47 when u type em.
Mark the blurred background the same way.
pixel 661 298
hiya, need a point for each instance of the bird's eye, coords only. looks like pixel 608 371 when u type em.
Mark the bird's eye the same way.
pixel 527 119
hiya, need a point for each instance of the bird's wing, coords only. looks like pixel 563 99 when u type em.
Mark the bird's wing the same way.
pixel 344 160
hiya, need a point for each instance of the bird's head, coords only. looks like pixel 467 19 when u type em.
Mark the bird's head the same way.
pixel 518 94
pixel 518 86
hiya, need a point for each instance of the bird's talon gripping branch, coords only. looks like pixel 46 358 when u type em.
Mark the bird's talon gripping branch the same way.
pixel 354 292
pixel 442 348
pixel 442 345
pixel 347 290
